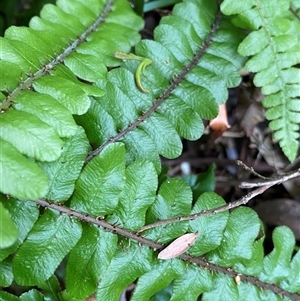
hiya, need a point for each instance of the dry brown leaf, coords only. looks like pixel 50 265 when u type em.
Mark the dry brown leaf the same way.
pixel 178 246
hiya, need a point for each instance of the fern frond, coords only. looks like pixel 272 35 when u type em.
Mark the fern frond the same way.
pixel 273 48
pixel 228 244
pixel 49 72
pixel 118 192
pixel 187 80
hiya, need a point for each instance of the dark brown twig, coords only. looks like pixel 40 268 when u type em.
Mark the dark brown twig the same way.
pixel 271 181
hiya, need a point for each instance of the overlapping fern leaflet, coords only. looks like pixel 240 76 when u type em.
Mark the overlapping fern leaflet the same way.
pixel 187 80
pixel 103 262
pixel 49 72
pixel 273 48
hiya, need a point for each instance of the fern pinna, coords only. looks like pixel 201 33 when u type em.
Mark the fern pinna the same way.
pixel 82 141
pixel 49 74
pixel 273 47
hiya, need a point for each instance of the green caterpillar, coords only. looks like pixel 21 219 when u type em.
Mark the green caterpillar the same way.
pixel 144 62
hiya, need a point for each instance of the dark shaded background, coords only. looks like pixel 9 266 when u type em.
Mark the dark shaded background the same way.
pixel 19 12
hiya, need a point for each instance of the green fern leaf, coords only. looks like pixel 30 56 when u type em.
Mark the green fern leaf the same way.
pixel 66 93
pixel 23 216
pixel 160 276
pixel 60 235
pixel 191 284
pixel 52 59
pixel 63 172
pixel 276 265
pixel 292 284
pixel 253 265
pixel 23 175
pixel 136 197
pixel 211 227
pixel 141 262
pixel 93 189
pixel 30 136
pixel 48 110
pixel 173 200
pixel 130 262
pixel 50 285
pixel 229 291
pixel 273 47
pixel 94 251
pixel 10 75
pixel 86 66
pixel 241 231
pixel 8 297
pixel 6 274
pixel 247 291
pixel 32 295
pixel 8 234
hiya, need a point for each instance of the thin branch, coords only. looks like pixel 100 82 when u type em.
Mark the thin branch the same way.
pixel 294 12
pixel 242 201
pixel 272 181
pixel 263 186
pixel 99 222
pixel 240 163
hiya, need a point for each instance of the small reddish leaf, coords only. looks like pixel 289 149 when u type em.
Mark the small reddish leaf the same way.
pixel 178 246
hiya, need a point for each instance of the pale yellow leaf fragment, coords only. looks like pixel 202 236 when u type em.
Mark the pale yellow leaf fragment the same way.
pixel 237 279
